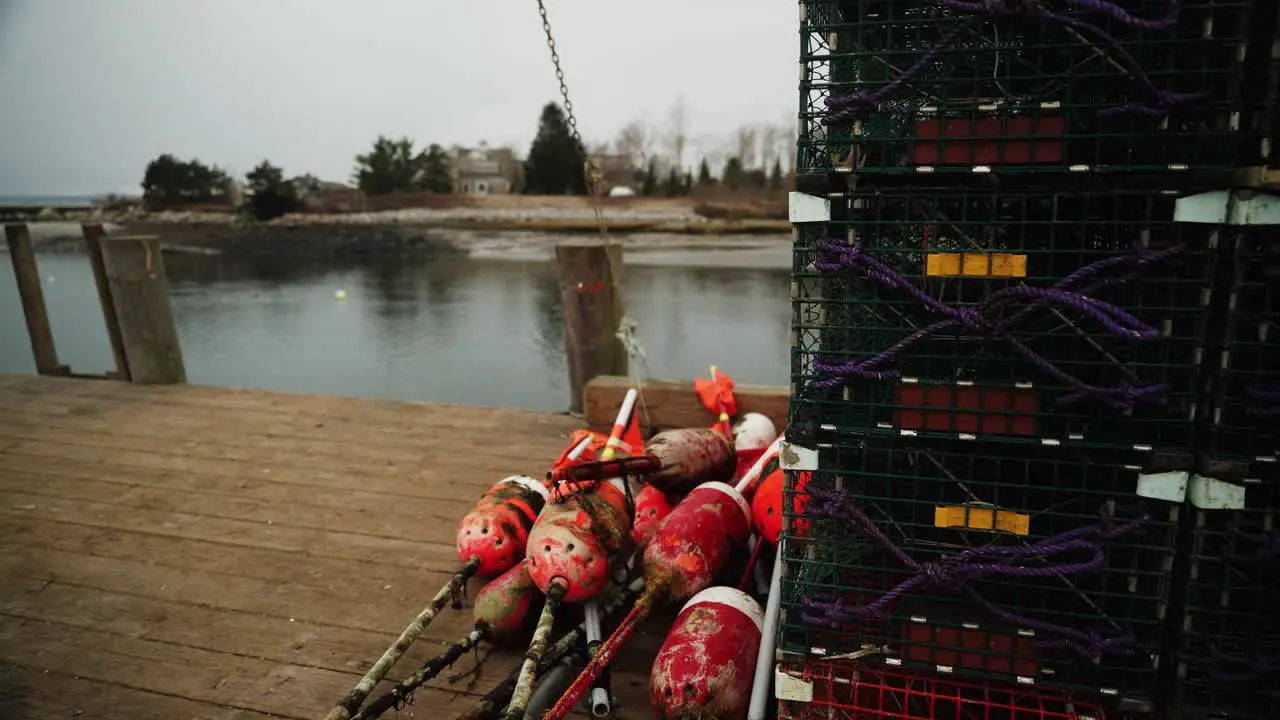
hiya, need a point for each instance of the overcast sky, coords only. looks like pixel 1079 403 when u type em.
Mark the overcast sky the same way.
pixel 90 90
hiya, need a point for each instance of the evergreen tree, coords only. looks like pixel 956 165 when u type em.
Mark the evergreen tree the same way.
pixel 734 175
pixel 433 171
pixel 649 185
pixel 272 196
pixel 775 178
pixel 688 183
pixel 555 159
pixel 704 173
pixel 673 187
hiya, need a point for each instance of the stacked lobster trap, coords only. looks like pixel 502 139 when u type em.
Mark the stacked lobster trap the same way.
pixel 1034 366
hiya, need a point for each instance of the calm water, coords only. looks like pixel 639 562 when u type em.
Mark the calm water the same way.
pixel 480 332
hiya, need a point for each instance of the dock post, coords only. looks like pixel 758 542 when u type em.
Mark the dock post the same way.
pixel 140 294
pixel 93 234
pixel 22 254
pixel 590 291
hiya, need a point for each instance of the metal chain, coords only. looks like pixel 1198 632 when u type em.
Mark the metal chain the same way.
pixel 595 182
pixel 590 173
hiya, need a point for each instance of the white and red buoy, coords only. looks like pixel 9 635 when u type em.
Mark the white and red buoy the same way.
pixel 705 667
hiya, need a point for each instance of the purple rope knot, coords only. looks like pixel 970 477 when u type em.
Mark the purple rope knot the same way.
pixel 1044 558
pixel 1262 400
pixel 1242 668
pixel 988 319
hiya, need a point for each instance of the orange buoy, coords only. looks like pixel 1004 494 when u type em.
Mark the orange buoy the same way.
pixel 769 501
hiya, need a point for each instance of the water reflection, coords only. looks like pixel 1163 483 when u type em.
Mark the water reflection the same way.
pixel 442 329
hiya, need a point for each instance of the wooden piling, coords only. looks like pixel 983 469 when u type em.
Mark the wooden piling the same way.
pixel 140 295
pixel 22 254
pixel 93 234
pixel 590 291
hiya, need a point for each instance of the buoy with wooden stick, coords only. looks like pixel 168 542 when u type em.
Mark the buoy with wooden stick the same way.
pixel 581 530
pixel 673 461
pixel 502 610
pixel 490 538
pixel 686 553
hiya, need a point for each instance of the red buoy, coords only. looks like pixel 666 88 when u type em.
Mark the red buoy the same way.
pixel 497 528
pixel 707 663
pixel 692 545
pixel 505 605
pixel 689 457
pixel 770 499
pixel 575 536
pixel 652 507
pixel 682 558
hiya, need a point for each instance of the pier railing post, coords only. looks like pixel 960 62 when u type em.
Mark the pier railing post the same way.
pixel 140 295
pixel 93 234
pixel 590 291
pixel 22 254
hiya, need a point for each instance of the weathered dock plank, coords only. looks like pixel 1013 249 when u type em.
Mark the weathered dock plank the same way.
pixel 192 552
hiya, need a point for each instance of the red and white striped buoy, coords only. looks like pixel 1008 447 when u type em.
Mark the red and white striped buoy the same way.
pixel 706 665
pixel 574 538
pixel 497 528
pixel 752 436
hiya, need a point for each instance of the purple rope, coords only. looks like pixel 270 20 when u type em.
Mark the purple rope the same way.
pixel 1263 400
pixel 1262 547
pixel 1241 668
pixel 985 318
pixel 959 571
pixel 1159 102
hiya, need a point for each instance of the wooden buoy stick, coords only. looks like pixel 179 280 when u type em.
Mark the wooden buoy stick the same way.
pixel 537 649
pixel 349 704
pixel 405 688
pixel 488 705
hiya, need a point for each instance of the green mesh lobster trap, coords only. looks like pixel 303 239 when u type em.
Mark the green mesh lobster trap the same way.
pixel 1245 427
pixel 949 88
pixel 952 556
pixel 1228 665
pixel 1034 317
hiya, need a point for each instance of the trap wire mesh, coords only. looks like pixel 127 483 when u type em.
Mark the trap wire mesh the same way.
pixel 956 557
pixel 1027 316
pixel 1229 660
pixel 956 87
pixel 1246 396
pixel 852 690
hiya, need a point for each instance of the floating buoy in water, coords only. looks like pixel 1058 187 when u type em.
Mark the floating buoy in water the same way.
pixel 340 295
pixel 707 663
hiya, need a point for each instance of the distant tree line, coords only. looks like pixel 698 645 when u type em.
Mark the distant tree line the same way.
pixel 553 166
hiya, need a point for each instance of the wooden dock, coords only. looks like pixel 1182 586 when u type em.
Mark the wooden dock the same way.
pixel 179 552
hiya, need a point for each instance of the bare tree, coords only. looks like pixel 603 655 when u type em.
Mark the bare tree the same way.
pixel 677 132
pixel 769 145
pixel 746 142
pixel 633 141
